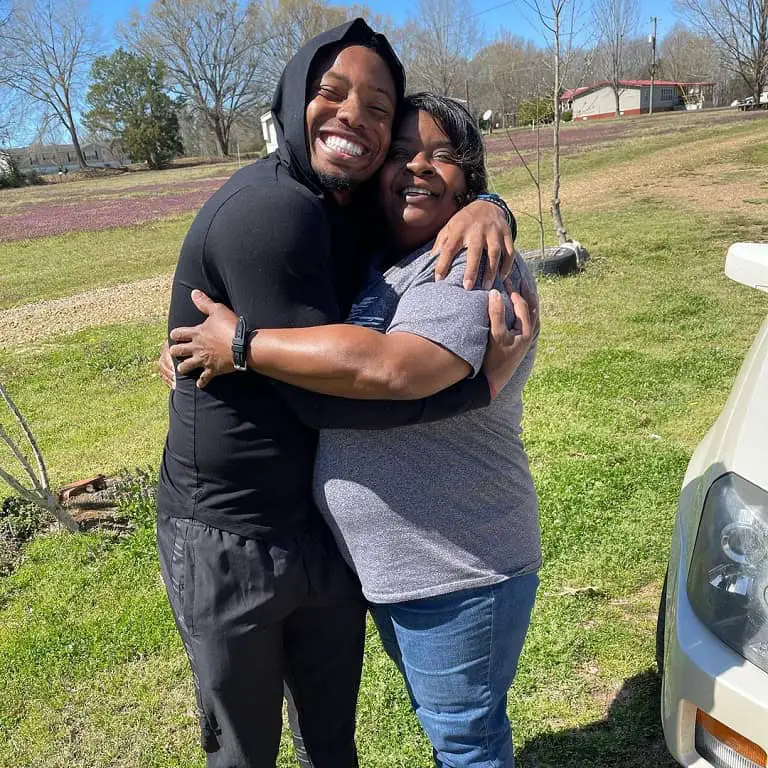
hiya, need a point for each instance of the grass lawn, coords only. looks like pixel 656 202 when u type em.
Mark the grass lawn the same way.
pixel 636 358
pixel 50 267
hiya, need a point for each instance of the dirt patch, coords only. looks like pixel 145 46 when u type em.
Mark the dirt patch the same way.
pixel 141 300
pixel 696 178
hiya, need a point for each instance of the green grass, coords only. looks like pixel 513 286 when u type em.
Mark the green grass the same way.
pixel 51 267
pixel 92 397
pixel 638 147
pixel 636 358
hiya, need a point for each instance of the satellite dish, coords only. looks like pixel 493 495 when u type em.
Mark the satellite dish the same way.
pixel 488 114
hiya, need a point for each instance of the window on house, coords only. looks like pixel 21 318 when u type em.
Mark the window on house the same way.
pixel 667 94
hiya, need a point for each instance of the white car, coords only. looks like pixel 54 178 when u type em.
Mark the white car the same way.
pixel 712 637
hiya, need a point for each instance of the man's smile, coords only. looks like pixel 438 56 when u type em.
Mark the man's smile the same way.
pixel 342 145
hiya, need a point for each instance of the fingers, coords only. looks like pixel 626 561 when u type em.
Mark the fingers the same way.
pixel 182 334
pixel 165 369
pixel 474 262
pixel 495 250
pixel 182 349
pixel 201 300
pixel 509 256
pixel 532 298
pixel 447 247
pixel 204 378
pixel 522 315
pixel 497 315
pixel 188 365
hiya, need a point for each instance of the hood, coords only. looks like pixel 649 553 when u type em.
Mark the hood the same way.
pixel 290 99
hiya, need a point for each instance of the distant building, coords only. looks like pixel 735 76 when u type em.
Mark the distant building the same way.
pixel 268 131
pixel 598 100
pixel 51 158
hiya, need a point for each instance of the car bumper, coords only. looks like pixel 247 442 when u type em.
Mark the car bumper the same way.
pixel 700 672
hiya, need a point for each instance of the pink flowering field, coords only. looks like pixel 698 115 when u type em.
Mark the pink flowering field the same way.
pixel 83 206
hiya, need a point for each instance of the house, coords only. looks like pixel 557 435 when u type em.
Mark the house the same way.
pixel 51 158
pixel 268 131
pixel 598 100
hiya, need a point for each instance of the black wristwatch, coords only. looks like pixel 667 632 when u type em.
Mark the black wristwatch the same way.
pixel 239 345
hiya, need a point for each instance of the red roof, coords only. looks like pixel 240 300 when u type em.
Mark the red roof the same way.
pixel 572 93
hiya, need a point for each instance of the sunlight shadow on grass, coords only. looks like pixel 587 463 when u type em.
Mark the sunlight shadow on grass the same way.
pixel 630 735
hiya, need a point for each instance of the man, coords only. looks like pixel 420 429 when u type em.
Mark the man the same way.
pixel 257 586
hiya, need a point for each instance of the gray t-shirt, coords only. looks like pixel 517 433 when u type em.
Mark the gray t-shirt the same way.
pixel 429 509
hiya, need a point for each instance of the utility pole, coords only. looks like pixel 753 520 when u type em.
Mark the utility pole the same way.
pixel 652 41
pixel 466 92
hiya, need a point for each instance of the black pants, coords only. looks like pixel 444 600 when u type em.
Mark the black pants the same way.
pixel 257 614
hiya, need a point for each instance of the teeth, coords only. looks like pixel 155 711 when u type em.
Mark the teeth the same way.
pixel 416 191
pixel 337 144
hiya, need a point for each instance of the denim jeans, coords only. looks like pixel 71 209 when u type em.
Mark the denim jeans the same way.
pixel 458 655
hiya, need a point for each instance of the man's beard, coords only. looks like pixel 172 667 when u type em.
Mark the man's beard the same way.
pixel 337 183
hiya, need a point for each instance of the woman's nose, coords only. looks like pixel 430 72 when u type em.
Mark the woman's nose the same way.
pixel 419 165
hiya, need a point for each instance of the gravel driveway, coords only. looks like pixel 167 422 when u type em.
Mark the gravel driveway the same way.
pixel 141 300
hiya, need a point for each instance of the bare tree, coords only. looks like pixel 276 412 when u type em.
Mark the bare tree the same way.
pixel 213 51
pixel 437 45
pixel 506 73
pixel 688 56
pixel 739 29
pixel 557 18
pixel 48 47
pixel 40 492
pixel 290 24
pixel 615 22
pixel 4 110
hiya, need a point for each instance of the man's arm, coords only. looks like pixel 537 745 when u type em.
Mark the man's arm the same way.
pixel 290 284
pixel 343 360
pixel 437 337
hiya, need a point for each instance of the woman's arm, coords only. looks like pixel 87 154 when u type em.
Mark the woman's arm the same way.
pixel 343 360
pixel 339 360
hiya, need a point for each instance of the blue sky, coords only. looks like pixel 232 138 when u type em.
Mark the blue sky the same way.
pixel 493 15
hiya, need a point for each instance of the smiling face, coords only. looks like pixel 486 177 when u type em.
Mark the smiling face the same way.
pixel 349 119
pixel 421 184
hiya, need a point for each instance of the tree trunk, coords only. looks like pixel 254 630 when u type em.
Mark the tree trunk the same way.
pixel 557 217
pixel 76 144
pixel 220 135
pixel 617 97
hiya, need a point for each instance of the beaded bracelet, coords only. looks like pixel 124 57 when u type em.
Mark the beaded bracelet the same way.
pixel 490 197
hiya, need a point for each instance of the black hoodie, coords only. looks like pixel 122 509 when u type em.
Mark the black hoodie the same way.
pixel 273 246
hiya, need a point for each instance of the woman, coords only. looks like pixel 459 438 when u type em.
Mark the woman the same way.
pixel 439 520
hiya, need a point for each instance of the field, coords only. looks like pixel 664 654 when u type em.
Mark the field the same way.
pixel 636 358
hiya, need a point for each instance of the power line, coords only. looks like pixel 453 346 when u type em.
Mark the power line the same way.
pixel 492 8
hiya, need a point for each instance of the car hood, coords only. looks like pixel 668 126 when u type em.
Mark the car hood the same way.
pixel 739 438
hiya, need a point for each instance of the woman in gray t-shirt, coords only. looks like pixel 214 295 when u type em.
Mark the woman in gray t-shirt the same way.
pixel 439 520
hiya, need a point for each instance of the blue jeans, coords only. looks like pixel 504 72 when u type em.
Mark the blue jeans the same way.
pixel 458 655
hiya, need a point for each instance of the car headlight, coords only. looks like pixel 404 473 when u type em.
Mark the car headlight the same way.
pixel 728 577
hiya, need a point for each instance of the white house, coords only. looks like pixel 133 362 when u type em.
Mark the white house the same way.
pixel 598 100
pixel 268 131
pixel 51 158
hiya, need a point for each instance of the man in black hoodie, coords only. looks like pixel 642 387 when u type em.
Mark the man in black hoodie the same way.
pixel 258 589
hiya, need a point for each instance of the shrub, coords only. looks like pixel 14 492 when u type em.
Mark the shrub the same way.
pixel 20 519
pixel 135 494
pixel 530 112
pixel 10 175
pixel 567 116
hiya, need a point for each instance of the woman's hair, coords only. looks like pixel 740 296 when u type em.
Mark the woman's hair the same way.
pixel 461 129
